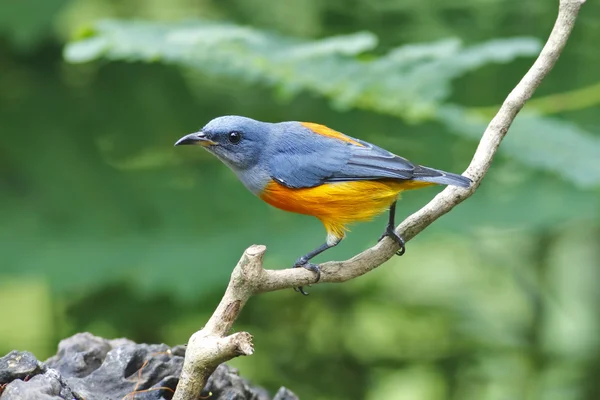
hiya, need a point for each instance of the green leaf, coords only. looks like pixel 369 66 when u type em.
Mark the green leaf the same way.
pixel 86 50
pixel 541 142
pixel 409 81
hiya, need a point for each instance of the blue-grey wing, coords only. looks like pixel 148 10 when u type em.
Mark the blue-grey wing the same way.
pixel 302 161
pixel 299 158
pixel 369 162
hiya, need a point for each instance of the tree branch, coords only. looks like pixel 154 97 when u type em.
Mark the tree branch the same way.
pixel 210 346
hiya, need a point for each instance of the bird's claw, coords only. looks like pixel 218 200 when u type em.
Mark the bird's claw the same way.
pixel 302 263
pixel 391 233
pixel 301 290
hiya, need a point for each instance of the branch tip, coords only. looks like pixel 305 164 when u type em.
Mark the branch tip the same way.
pixel 245 347
pixel 256 250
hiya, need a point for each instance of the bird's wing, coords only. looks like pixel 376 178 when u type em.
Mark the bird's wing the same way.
pixel 303 159
pixel 368 162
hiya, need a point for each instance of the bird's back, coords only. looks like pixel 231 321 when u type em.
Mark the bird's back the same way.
pixel 316 171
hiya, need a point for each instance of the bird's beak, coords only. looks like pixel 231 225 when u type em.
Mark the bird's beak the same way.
pixel 195 138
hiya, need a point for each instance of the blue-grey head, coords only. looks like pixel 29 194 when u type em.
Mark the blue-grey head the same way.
pixel 237 141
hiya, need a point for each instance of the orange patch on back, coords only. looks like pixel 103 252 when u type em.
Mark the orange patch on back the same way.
pixel 341 203
pixel 325 131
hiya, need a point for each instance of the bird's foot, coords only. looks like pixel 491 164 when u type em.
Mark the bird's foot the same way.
pixel 303 263
pixel 391 233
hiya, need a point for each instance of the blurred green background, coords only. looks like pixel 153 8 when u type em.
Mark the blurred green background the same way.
pixel 105 227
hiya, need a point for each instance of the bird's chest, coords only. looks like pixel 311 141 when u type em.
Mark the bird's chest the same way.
pixel 344 200
pixel 255 179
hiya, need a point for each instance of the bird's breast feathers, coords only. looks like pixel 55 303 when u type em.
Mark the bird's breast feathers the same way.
pixel 337 204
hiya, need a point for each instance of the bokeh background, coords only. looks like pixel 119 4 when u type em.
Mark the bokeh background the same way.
pixel 105 227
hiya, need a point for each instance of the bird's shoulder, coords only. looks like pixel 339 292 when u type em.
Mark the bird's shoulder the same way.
pixel 298 157
pixel 327 132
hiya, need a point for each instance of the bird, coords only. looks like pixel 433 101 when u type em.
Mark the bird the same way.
pixel 310 169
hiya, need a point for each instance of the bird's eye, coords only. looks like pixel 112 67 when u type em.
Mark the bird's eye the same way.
pixel 235 137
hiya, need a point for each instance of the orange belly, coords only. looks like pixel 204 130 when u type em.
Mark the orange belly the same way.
pixel 341 203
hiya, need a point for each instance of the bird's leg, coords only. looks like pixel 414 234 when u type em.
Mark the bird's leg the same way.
pixel 391 232
pixel 304 260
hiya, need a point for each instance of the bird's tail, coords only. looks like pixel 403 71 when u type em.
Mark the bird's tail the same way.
pixel 426 174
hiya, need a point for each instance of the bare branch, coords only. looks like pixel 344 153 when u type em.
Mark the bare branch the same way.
pixel 210 346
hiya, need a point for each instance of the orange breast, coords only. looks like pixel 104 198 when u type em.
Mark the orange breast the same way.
pixel 341 203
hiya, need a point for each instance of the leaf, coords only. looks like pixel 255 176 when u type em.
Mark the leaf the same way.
pixel 540 142
pixel 409 81
pixel 87 50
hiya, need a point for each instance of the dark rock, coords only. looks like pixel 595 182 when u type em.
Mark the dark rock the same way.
pixel 79 355
pixel 285 394
pixel 225 383
pixel 179 350
pixel 40 387
pixel 89 367
pixel 18 365
pixel 120 374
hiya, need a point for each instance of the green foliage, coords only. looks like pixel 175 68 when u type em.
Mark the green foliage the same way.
pixel 538 141
pixel 27 22
pixel 411 81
